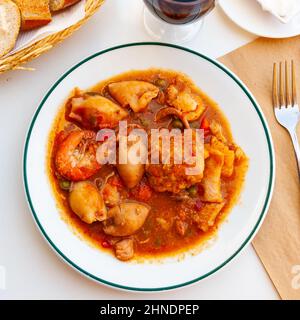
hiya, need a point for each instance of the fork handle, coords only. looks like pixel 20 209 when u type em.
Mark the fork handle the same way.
pixel 294 138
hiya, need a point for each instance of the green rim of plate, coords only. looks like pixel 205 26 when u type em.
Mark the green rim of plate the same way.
pixel 270 185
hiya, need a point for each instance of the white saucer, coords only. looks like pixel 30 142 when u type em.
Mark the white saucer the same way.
pixel 249 15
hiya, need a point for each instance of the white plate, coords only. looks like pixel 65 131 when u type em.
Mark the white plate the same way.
pixel 249 129
pixel 249 15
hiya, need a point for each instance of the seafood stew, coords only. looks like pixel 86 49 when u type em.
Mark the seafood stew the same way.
pixel 143 209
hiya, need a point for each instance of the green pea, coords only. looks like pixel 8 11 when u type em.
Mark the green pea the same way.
pixel 65 185
pixel 192 191
pixel 177 124
pixel 161 83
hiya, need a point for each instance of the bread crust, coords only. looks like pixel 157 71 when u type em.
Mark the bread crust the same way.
pixel 63 4
pixel 32 24
pixel 34 13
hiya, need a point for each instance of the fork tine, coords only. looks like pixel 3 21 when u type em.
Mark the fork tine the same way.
pixel 294 90
pixel 275 87
pixel 287 86
pixel 281 86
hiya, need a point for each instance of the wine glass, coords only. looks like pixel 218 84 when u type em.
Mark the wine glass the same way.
pixel 175 20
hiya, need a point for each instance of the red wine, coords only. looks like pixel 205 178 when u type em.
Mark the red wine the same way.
pixel 180 11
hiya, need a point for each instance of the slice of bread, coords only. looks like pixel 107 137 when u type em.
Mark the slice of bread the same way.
pixel 56 5
pixel 10 20
pixel 35 13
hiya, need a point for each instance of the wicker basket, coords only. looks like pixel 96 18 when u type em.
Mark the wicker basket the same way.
pixel 15 60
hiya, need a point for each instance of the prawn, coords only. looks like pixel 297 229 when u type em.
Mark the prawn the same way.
pixel 75 157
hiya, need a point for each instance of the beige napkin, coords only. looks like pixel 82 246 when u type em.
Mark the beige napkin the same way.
pixel 278 241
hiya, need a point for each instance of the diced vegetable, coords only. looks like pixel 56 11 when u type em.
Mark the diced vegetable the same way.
pixel 105 244
pixel 204 124
pixel 206 132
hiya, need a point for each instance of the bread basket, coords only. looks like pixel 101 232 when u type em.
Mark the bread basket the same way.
pixel 15 60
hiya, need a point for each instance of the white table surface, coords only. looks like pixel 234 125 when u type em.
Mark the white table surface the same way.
pixel 32 270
